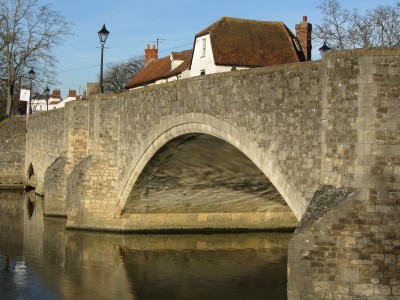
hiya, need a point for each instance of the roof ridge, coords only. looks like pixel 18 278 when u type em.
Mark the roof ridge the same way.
pixel 217 23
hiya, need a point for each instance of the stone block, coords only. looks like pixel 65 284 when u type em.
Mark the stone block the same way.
pixel 396 290
pixel 346 242
pixel 380 289
pixel 363 289
pixel 350 274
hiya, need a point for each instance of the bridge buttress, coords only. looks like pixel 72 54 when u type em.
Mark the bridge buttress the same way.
pixel 350 249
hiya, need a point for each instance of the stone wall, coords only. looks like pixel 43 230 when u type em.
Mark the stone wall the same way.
pixel 56 175
pixel 332 124
pixel 45 142
pixel 12 149
pixel 352 250
pixel 272 115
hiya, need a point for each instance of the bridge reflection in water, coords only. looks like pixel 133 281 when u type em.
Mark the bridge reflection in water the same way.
pixel 40 259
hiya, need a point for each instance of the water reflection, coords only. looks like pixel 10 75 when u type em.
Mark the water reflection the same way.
pixel 39 259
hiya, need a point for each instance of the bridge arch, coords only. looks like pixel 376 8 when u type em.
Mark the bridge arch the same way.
pixel 206 124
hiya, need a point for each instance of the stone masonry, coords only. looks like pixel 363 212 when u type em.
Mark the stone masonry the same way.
pixel 317 128
pixel 351 251
pixel 12 149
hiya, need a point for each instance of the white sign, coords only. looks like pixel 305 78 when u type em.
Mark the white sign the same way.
pixel 24 95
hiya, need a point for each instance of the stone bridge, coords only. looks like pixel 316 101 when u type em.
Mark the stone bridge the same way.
pixel 318 142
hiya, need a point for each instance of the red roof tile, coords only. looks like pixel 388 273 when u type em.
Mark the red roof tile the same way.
pixel 160 69
pixel 251 43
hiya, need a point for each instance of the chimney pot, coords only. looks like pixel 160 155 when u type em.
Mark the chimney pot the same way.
pixel 304 18
pixel 150 54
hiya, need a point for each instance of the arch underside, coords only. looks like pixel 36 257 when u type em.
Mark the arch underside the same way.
pixel 196 173
pixel 194 167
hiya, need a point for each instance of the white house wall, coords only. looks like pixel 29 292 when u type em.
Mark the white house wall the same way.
pixel 206 62
pixel 38 105
pixel 201 62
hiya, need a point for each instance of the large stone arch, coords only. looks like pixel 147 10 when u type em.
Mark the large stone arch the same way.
pixel 206 124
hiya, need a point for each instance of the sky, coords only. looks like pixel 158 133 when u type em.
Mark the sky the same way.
pixel 135 23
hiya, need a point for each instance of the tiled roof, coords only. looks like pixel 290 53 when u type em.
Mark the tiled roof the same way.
pixel 160 69
pixel 184 55
pixel 54 102
pixel 251 43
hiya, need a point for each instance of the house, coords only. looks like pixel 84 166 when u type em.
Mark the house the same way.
pixel 61 103
pixel 155 71
pixel 39 102
pixel 235 44
pixel 229 44
pixel 55 98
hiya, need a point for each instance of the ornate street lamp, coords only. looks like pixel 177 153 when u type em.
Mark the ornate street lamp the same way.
pixel 46 93
pixel 31 75
pixel 324 48
pixel 103 35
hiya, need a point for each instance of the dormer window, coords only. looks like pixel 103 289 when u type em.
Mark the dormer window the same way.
pixel 203 47
pixel 296 43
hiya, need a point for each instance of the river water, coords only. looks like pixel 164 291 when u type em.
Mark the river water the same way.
pixel 39 259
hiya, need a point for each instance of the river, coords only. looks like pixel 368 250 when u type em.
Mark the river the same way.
pixel 39 259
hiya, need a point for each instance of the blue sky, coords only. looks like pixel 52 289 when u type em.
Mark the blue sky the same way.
pixel 135 23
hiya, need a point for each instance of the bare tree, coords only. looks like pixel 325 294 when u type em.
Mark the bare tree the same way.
pixel 347 29
pixel 28 33
pixel 117 75
pixel 335 24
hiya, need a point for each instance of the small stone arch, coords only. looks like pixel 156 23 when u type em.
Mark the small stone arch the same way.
pixel 31 176
pixel 206 124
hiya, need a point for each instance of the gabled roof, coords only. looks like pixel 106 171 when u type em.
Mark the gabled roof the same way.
pixel 157 69
pixel 183 55
pixel 251 43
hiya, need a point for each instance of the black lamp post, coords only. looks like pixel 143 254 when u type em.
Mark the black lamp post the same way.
pixel 31 75
pixel 46 93
pixel 324 48
pixel 103 35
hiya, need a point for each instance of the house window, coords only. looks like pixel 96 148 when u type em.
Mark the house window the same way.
pixel 203 72
pixel 296 43
pixel 203 47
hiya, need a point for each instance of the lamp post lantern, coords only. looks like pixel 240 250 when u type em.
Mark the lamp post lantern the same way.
pixel 324 48
pixel 103 35
pixel 31 75
pixel 46 93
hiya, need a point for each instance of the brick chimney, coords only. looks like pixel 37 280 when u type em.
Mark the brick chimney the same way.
pixel 150 53
pixel 303 33
pixel 72 93
pixel 56 94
